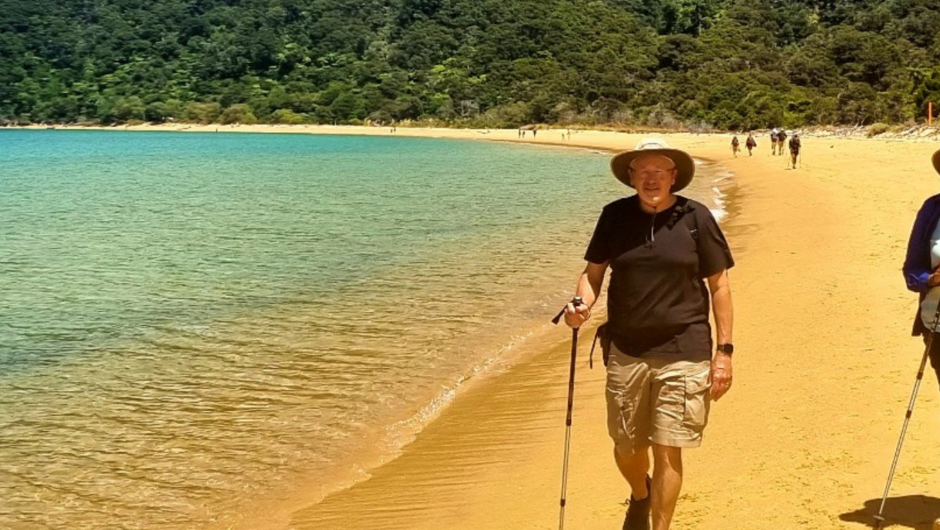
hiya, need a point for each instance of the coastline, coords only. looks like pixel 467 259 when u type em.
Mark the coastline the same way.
pixel 823 373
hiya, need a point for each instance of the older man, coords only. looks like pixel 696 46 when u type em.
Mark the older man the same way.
pixel 662 249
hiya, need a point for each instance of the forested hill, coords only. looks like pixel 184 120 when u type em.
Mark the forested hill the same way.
pixel 722 63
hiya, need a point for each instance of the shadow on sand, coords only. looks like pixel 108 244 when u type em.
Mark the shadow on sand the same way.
pixel 910 511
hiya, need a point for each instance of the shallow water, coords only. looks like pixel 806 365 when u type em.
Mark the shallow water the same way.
pixel 190 323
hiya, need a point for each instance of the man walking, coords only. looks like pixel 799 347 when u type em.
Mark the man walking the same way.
pixel 794 149
pixel 751 143
pixel 662 249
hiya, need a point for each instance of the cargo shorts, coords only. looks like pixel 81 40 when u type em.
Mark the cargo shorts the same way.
pixel 656 401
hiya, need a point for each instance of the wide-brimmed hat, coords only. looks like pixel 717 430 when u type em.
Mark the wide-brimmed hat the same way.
pixel 936 160
pixel 685 166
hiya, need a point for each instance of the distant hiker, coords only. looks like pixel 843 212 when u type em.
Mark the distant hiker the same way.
pixel 773 141
pixel 569 135
pixel 735 146
pixel 519 134
pixel 794 149
pixel 781 138
pixel 662 250
pixel 750 143
pixel 922 271
pixel 534 132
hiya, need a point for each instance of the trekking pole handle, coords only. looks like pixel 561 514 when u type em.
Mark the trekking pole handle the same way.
pixel 577 300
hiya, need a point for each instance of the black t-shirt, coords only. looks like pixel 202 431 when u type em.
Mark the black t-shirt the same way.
pixel 657 301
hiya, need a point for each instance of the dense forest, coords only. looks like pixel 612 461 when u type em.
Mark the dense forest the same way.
pixel 500 63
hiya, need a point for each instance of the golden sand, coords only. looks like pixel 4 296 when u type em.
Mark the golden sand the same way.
pixel 824 365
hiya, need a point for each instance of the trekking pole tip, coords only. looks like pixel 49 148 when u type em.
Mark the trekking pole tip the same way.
pixel 879 522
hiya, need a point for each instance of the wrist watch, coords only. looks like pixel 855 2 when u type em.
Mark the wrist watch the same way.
pixel 726 348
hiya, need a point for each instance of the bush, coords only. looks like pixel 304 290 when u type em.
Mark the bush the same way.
pixel 877 128
pixel 129 109
pixel 202 112
pixel 157 112
pixel 286 116
pixel 238 113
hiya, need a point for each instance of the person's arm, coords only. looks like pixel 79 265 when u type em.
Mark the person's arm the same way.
pixel 917 273
pixel 589 288
pixel 720 288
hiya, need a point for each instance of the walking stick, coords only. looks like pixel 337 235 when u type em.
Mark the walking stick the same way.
pixel 879 519
pixel 564 470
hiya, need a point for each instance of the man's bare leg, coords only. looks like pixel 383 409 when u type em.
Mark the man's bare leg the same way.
pixel 667 481
pixel 634 467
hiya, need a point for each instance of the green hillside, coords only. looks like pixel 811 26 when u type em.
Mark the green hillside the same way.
pixel 727 64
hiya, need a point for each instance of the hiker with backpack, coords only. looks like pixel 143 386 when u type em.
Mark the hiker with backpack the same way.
pixel 663 250
pixel 735 146
pixel 773 141
pixel 750 143
pixel 794 149
pixel 781 138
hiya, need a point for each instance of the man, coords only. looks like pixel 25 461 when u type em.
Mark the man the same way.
pixel 735 146
pixel 661 375
pixel 773 141
pixel 751 143
pixel 794 149
pixel 781 138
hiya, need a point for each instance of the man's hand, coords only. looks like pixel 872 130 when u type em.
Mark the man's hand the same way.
pixel 934 279
pixel 721 375
pixel 576 316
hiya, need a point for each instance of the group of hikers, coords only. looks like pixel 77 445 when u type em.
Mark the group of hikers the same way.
pixel 778 138
pixel 668 262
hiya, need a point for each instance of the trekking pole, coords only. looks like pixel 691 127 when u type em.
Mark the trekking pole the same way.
pixel 564 470
pixel 879 519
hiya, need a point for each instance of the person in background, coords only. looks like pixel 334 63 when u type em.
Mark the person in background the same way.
pixel 794 149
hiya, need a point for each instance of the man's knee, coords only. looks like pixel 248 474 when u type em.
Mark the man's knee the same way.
pixel 626 453
pixel 667 457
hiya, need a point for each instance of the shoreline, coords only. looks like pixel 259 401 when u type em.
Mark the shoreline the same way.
pixel 802 441
pixel 823 370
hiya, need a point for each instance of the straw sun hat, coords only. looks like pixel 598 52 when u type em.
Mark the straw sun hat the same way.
pixel 685 166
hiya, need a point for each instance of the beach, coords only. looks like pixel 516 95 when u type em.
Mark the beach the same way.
pixel 824 364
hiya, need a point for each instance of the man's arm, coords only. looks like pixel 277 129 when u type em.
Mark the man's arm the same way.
pixel 917 273
pixel 589 288
pixel 720 288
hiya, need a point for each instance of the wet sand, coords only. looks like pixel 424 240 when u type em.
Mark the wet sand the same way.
pixel 824 365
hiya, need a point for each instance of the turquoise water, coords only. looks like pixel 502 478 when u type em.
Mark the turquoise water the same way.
pixel 196 326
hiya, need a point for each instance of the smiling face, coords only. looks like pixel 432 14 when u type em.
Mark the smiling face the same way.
pixel 653 177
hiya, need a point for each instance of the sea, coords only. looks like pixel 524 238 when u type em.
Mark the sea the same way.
pixel 195 324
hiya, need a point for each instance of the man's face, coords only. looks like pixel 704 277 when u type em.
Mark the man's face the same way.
pixel 653 176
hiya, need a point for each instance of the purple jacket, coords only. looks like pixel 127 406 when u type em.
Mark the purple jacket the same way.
pixel 917 263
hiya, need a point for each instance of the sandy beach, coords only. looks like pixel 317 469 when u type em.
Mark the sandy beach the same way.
pixel 824 365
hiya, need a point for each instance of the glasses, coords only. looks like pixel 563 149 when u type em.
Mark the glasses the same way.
pixel 652 173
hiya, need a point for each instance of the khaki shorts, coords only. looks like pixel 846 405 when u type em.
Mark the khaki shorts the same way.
pixel 656 401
